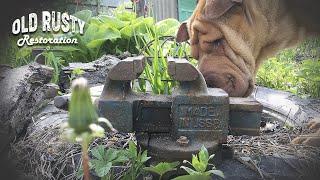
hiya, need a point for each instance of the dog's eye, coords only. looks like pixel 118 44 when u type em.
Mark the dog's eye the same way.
pixel 216 43
pixel 212 46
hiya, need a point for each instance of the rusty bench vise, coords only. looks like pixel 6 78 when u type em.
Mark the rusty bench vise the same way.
pixel 172 127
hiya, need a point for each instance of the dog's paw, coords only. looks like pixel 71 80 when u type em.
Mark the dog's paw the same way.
pixel 314 124
pixel 312 139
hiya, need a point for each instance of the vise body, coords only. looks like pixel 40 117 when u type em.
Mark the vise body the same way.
pixel 172 127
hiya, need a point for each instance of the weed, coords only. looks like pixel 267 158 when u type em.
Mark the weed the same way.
pixel 82 122
pixel 162 168
pixel 76 73
pixel 103 160
pixel 137 160
pixel 157 44
pixel 55 62
pixel 294 70
pixel 200 164
pixel 278 74
pixel 309 75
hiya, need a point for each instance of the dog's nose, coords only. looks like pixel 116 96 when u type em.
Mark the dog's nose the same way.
pixel 228 82
pixel 219 81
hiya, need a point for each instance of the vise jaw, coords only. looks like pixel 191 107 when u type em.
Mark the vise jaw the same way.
pixel 172 127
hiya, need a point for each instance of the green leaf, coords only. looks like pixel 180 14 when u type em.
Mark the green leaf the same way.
pixel 211 156
pixel 95 21
pixel 139 27
pixel 79 173
pixel 112 21
pixel 194 159
pixel 193 177
pixel 120 159
pixel 217 172
pixel 102 168
pixel 204 155
pixel 95 44
pixel 163 168
pixel 84 15
pixel 98 33
pixel 189 170
pixel 167 27
pixel 127 31
pixel 24 52
pixel 132 150
pixel 98 152
pixel 124 15
pixel 111 154
pixel 144 157
pixel 200 167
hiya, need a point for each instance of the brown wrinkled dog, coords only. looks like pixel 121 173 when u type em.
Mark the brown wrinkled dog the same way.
pixel 231 38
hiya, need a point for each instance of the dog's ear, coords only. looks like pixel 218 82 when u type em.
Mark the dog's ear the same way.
pixel 216 8
pixel 247 13
pixel 182 34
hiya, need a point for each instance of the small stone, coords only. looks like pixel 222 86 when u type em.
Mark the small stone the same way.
pixel 61 102
pixel 51 90
pixel 183 141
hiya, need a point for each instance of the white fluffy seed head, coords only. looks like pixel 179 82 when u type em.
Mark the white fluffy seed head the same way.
pixel 79 83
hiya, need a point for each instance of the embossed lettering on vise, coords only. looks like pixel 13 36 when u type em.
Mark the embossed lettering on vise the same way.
pixel 199 117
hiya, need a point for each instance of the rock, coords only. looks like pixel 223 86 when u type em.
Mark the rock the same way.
pixel 51 90
pixel 62 102
pixel 23 91
pixel 125 55
pixel 95 72
pixel 47 117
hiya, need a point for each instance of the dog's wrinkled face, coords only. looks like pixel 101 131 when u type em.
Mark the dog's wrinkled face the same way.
pixel 221 40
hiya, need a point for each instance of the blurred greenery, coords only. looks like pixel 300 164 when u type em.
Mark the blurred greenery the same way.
pixel 294 70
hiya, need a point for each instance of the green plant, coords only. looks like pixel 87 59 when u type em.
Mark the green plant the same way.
pixel 294 70
pixel 162 168
pixel 193 177
pixel 309 74
pixel 288 126
pixel 55 62
pixel 137 160
pixel 158 44
pixel 22 56
pixel 309 49
pixel 200 164
pixel 279 73
pixel 103 160
pixel 82 122
pixel 76 73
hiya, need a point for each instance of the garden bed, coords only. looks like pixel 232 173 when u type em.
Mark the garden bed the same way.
pixel 44 155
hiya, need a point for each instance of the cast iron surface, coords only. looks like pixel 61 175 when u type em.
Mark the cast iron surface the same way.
pixel 175 126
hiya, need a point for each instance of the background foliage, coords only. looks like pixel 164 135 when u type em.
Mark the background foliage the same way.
pixel 294 70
